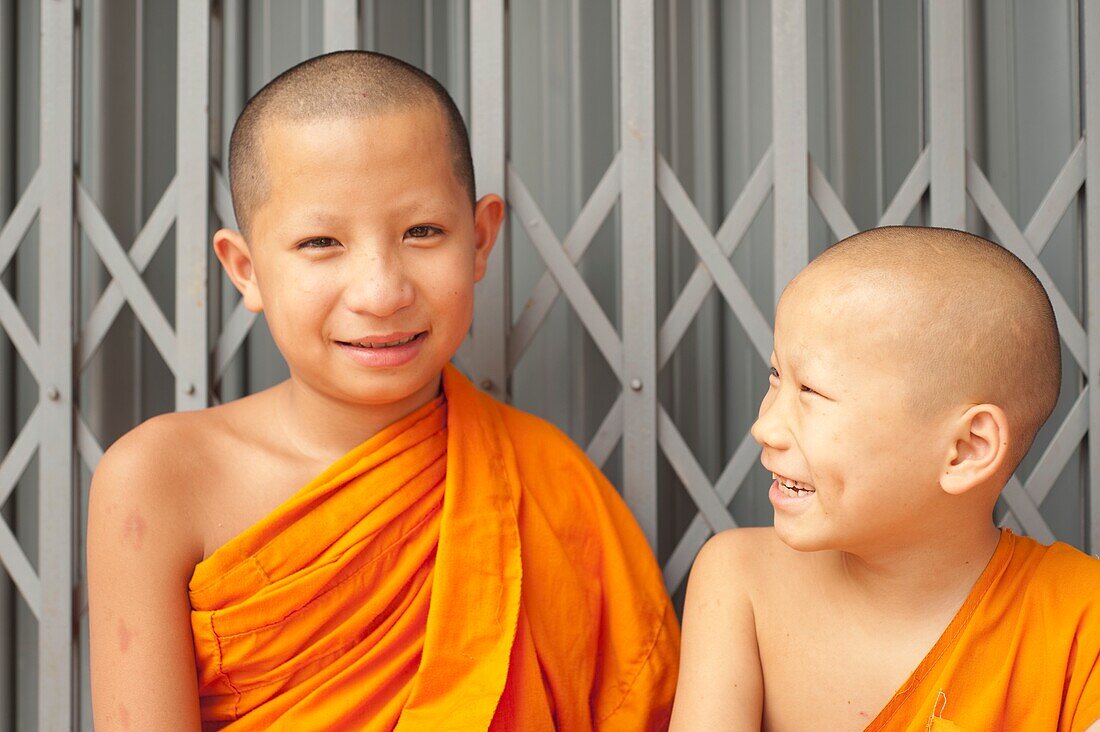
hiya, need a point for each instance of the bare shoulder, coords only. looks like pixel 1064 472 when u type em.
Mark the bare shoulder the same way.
pixel 159 471
pixel 745 559
pixel 136 487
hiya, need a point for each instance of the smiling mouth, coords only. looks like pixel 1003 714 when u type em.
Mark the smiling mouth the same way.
pixel 792 488
pixel 384 344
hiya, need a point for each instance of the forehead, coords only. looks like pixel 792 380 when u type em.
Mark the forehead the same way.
pixel 326 168
pixel 405 138
pixel 831 321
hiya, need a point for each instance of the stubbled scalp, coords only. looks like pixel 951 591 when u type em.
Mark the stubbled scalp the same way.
pixel 344 84
pixel 972 322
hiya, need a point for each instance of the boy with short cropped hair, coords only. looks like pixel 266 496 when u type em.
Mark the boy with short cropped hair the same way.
pixel 912 369
pixel 372 544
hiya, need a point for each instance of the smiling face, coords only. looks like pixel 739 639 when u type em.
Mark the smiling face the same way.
pixel 364 255
pixel 854 457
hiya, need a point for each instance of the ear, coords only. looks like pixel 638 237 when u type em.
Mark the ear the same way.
pixel 233 253
pixel 488 215
pixel 979 451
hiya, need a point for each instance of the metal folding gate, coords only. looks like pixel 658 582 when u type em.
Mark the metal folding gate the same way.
pixel 637 180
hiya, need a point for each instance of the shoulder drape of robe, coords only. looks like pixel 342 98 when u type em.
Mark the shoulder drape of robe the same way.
pixel 1023 652
pixel 466 568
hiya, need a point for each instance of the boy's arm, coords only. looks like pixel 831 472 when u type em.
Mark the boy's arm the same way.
pixel 140 558
pixel 721 685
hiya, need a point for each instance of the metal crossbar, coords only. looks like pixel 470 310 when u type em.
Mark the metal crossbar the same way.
pixel 575 244
pixel 126 276
pixel 145 246
pixel 568 278
pixel 730 234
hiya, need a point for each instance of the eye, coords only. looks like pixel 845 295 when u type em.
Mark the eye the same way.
pixel 320 242
pixel 423 231
pixel 807 390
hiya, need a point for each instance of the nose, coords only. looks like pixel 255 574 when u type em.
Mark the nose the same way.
pixel 770 428
pixel 377 283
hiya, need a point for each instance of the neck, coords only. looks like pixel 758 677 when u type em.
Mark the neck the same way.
pixel 324 428
pixel 928 574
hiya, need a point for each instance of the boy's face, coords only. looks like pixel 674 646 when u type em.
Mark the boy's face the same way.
pixel 839 420
pixel 365 254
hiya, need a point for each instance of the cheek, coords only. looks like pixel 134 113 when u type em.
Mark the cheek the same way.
pixel 842 449
pixel 299 299
pixel 447 281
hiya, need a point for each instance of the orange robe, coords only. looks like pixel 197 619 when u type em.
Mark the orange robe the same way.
pixel 466 568
pixel 1023 652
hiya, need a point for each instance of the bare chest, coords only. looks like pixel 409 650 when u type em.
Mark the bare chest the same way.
pixel 241 487
pixel 823 669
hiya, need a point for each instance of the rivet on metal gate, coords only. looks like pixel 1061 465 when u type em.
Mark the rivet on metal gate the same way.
pixel 189 389
pixel 53 394
pixel 636 384
pixel 487 384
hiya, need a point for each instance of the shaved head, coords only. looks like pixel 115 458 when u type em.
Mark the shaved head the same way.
pixel 966 316
pixel 345 84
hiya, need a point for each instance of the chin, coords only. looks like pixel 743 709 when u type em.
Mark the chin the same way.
pixel 392 390
pixel 801 537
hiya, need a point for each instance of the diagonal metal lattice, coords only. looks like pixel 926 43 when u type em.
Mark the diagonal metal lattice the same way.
pixel 27 442
pixel 562 277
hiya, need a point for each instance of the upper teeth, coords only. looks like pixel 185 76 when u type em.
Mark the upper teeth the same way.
pixel 786 482
pixel 380 344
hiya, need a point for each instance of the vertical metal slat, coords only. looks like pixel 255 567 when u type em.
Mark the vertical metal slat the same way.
pixel 947 112
pixel 639 250
pixel 55 459
pixel 341 25
pixel 1092 255
pixel 492 310
pixel 790 140
pixel 193 172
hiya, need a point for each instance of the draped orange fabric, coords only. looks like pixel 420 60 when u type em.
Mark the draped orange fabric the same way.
pixel 1023 652
pixel 466 568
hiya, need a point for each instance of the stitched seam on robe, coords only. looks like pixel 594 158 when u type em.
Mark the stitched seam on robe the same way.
pixel 312 662
pixel 366 565
pixel 641 667
pixel 260 567
pixel 221 669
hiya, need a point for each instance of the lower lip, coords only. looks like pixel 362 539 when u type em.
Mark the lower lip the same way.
pixel 787 504
pixel 385 358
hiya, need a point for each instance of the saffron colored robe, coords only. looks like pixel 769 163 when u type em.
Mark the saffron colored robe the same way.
pixel 466 568
pixel 1023 652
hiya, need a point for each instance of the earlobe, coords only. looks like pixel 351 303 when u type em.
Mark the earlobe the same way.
pixel 488 215
pixel 979 451
pixel 236 258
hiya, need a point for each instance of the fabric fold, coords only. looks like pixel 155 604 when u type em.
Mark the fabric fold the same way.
pixel 466 568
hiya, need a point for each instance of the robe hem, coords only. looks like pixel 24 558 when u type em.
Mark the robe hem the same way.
pixel 661 628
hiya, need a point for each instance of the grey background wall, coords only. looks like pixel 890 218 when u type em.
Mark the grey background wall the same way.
pixel 868 92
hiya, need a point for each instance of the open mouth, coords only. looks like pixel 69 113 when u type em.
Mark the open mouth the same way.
pixel 792 488
pixel 384 344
